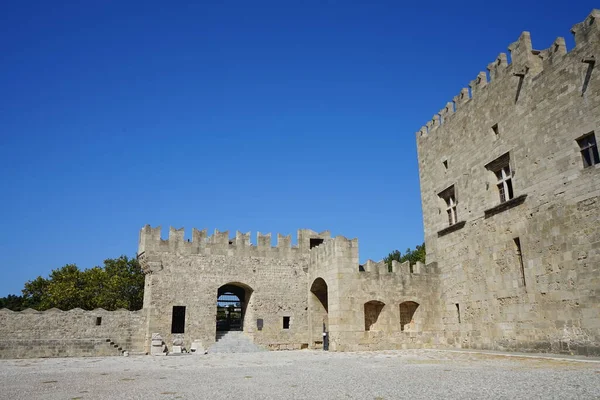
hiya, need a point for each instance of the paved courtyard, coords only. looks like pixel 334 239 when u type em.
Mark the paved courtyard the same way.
pixel 414 374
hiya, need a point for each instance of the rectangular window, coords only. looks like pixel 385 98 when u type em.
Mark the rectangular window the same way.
pixel 589 150
pixel 286 322
pixel 501 169
pixel 178 320
pixel 98 321
pixel 450 198
pixel 504 184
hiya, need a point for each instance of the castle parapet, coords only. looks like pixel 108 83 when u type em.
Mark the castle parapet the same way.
pixel 478 83
pixel 461 98
pixel 338 254
pixel 374 267
pixel 150 242
pixel 587 31
pixel 554 53
pixel 526 64
pixel 523 57
pixel 498 67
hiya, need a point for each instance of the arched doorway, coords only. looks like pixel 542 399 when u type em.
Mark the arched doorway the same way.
pixel 319 316
pixel 232 303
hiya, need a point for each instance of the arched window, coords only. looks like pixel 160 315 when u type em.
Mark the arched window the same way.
pixel 372 310
pixel 407 311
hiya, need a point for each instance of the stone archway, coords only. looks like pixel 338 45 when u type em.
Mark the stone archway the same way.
pixel 319 312
pixel 232 305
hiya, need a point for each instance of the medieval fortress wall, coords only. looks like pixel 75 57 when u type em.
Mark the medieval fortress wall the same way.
pixel 189 274
pixel 524 273
pixel 56 333
pixel 371 307
pixel 511 212
pixel 277 282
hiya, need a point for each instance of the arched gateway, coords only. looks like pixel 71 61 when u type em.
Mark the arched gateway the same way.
pixel 232 303
pixel 319 313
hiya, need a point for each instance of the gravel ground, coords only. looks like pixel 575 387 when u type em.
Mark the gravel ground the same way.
pixel 414 374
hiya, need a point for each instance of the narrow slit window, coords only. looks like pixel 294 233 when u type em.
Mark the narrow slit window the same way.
pixel 98 321
pixel 286 322
pixel 589 150
pixel 520 258
pixel 458 312
pixel 495 130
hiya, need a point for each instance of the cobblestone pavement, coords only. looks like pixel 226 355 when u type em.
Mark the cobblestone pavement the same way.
pixel 414 374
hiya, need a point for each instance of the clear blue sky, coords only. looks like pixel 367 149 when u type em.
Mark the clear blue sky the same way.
pixel 249 115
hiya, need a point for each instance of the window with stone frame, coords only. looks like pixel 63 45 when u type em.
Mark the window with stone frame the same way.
pixel 589 150
pixel 501 168
pixel 449 197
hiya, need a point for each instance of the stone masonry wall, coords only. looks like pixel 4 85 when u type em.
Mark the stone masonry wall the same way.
pixel 364 303
pixel 534 110
pixel 56 333
pixel 180 273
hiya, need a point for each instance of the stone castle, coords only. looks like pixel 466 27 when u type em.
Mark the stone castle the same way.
pixel 510 187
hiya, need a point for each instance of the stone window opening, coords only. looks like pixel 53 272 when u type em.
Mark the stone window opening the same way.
pixel 178 319
pixel 407 312
pixel 457 312
pixel 372 311
pixel 590 61
pixel 589 150
pixel 495 131
pixel 286 322
pixel 503 173
pixel 504 183
pixel 519 253
pixel 314 242
pixel 449 197
pixel 445 162
pixel 98 321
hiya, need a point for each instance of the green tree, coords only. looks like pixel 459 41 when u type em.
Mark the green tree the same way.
pixel 418 254
pixel 125 283
pixel 118 284
pixel 35 292
pixel 13 302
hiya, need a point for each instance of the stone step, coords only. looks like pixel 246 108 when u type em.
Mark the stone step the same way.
pixel 233 342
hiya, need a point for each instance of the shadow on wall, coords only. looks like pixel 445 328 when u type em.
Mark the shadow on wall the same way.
pixel 372 310
pixel 407 311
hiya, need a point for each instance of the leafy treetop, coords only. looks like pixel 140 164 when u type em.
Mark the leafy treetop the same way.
pixel 118 284
pixel 418 254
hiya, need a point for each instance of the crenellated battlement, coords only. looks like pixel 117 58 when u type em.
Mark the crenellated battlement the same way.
pixel 526 63
pixel 371 267
pixel 220 243
pixel 334 248
pixel 342 253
